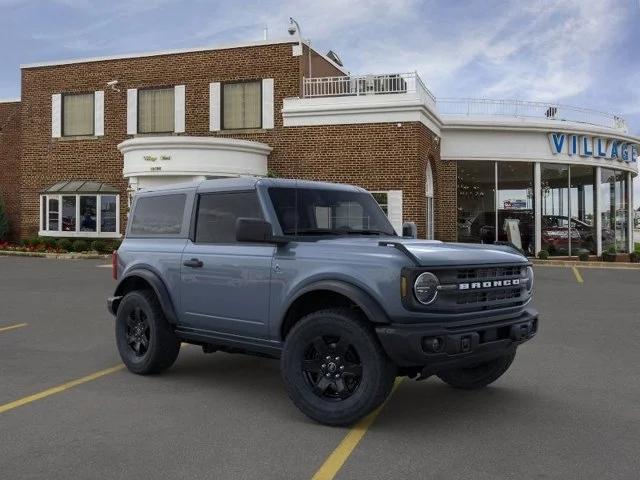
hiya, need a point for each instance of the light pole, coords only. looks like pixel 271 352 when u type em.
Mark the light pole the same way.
pixel 294 27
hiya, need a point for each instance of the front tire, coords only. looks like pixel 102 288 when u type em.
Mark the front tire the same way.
pixel 145 340
pixel 334 368
pixel 478 376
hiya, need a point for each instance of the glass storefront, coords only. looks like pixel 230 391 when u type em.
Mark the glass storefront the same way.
pixel 516 215
pixel 614 206
pixel 476 202
pixel 497 202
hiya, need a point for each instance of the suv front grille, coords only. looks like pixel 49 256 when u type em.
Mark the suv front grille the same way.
pixel 489 273
pixel 490 296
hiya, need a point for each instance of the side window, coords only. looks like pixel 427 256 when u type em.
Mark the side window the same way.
pixel 158 215
pixel 218 212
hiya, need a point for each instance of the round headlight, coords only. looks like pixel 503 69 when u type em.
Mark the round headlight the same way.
pixel 426 288
pixel 529 279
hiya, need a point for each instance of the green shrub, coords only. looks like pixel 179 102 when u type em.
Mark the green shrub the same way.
pixel 99 246
pixel 79 246
pixel 584 256
pixel 114 245
pixel 48 242
pixel 64 244
pixel 543 254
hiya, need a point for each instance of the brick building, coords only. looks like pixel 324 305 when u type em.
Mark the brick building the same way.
pixel 87 133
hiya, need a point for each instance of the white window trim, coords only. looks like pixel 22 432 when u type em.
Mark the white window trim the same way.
pixel 132 111
pixel 77 233
pixel 179 96
pixel 214 107
pixel 268 102
pixel 98 113
pixel 394 208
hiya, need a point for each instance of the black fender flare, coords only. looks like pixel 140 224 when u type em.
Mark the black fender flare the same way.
pixel 369 306
pixel 158 286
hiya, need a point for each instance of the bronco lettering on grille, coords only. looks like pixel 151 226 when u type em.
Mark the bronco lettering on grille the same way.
pixel 489 284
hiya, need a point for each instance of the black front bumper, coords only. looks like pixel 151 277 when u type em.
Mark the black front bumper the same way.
pixel 444 346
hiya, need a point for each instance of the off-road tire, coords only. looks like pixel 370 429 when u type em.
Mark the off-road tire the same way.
pixel 377 372
pixel 478 376
pixel 162 344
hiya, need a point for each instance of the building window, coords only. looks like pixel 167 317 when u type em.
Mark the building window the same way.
pixel 429 203
pixel 516 212
pixel 156 110
pixel 78 114
pixel 383 200
pixel 614 208
pixel 242 105
pixel 77 215
pixel 476 202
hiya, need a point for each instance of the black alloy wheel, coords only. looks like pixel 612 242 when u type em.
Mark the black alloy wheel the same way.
pixel 332 367
pixel 138 333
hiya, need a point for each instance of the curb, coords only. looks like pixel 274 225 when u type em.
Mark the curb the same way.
pixel 57 256
pixel 577 263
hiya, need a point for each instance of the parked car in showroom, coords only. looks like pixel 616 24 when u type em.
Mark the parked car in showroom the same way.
pixel 313 274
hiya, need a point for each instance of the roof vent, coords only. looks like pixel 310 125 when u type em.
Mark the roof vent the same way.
pixel 333 56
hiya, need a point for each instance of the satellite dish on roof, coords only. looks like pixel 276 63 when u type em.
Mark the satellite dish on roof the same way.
pixel 334 57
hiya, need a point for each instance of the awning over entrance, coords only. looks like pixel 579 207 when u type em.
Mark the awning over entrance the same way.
pixel 80 187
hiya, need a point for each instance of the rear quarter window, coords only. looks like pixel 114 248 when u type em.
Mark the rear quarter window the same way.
pixel 158 215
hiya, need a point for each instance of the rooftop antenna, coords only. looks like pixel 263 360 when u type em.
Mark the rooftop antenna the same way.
pixel 266 33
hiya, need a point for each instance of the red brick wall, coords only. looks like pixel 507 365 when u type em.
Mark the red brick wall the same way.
pixel 375 156
pixel 9 160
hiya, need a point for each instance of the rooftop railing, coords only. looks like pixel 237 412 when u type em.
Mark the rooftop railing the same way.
pixel 393 83
pixel 524 109
pixel 411 83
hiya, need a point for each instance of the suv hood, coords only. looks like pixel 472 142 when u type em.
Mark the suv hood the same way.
pixel 436 253
pixel 433 253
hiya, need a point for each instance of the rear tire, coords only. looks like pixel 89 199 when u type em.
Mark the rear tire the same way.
pixel 478 376
pixel 334 368
pixel 145 340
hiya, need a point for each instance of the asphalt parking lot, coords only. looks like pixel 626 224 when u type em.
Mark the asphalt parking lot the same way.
pixel 568 408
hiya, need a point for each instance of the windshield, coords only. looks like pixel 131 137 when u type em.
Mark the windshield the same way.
pixel 313 211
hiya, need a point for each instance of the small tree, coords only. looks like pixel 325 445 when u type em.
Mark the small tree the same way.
pixel 4 221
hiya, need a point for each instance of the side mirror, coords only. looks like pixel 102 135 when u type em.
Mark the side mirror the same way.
pixel 254 230
pixel 409 229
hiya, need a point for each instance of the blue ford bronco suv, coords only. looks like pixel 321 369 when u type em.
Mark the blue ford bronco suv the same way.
pixel 313 274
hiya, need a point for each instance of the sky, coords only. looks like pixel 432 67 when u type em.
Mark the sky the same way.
pixel 578 52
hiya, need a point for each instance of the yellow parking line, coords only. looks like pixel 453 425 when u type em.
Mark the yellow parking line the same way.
pixel 336 460
pixel 60 388
pixel 577 275
pixel 11 327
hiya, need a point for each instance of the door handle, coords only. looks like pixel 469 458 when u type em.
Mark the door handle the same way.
pixel 193 263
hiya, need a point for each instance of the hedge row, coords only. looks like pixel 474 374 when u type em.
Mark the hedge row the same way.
pixel 72 245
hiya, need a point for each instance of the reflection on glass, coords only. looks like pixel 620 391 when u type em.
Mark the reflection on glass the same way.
pixel 87 214
pixel 476 202
pixel 582 202
pixel 53 214
pixel 614 195
pixel 555 209
pixel 516 205
pixel 69 214
pixel 108 213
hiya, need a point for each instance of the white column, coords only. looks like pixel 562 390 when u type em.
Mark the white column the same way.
pixel 537 206
pixel 598 219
